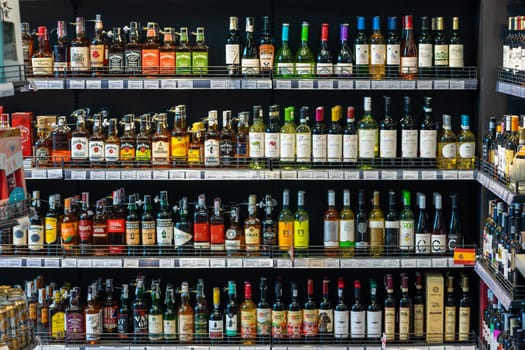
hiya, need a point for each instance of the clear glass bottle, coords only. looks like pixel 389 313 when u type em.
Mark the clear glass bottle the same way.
pixel 376 223
pixel 331 226
pixel 42 58
pixel 377 50
pixel 256 139
pixel 303 140
pixel 406 225
pixel 361 50
pixel 367 132
pixel 287 139
pixel 252 228
pixel 362 231
pixel 227 140
pixel 466 148
pixel 408 50
pixel 447 145
pixel 212 141
pixel 301 226
pixel 248 312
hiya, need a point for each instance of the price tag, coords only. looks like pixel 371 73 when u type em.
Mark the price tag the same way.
pixel 14 262
pixel 77 84
pixel 300 262
pixel 407 85
pixel 435 347
pixel 144 174
pixel 41 84
pixel 265 262
pixel 304 174
pixel 234 262
pixel 349 263
pixel 332 263
pixel 69 262
pixel 288 174
pixel 362 84
pixel 370 175
pixel 185 262
pixel 3 262
pixel 441 84
pixel 345 84
pixel 99 263
pixel 424 84
pixel 34 262
pixel 263 348
pixel 94 84
pixel 84 263
pixel 201 262
pixel 325 84
pixel 217 262
pixel 149 263
pixel 264 84
pixel 115 84
pixel 306 84
pixel 201 348
pixel 177 174
pixel 114 263
pixel 128 174
pixel 283 84
pixel 410 175
pixel 457 84
pixel 317 263
pixel 467 347
pixel 450 174
pixel 78 174
pixel 113 175
pixel 249 84
pixel 168 84
pixel 54 173
pixel 356 348
pixel 439 262
pixel 135 84
pixel 97 175
pixel 250 263
pixel 131 263
pixel 408 263
pixel 334 174
pixel 466 174
pixel 271 175
pixel 379 84
pixel 52 262
pixel 217 84
pixel 38 174
pixel 422 262
pixel 193 174
pixel 151 84
pixel 388 175
pixel 139 348
pixel 352 174
pixel 185 84
pixel 161 174
pixel 428 175
pixel 56 84
pixel 166 263
pixel 284 263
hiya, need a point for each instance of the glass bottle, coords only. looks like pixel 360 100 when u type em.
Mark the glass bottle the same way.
pixel 439 233
pixel 455 49
pixel 279 330
pixel 98 49
pixel 334 144
pixel 199 53
pixel 182 232
pixel 324 63
pixel 132 226
pixel 390 309
pixel 242 138
pixel 284 59
pixel 124 313
pixel 96 143
pixel 256 139
pixel 116 224
pixel 346 226
pixel 183 53
pixel 464 311
pixel 167 53
pixel 285 224
pixel 79 142
pixel 440 49
pixel 409 131
pixel 216 319
pixel 74 315
pixel 387 133
pixel 362 232
pixel 408 50
pixel 36 226
pixel 179 138
pixel 331 226
pixel 393 49
pixel 374 314
pixel 112 144
pixel 264 313
pixel 233 47
pixel 428 132
pixel 294 316
pixel 234 242
pixel 147 226
pixel 100 228
pixel 109 310
pixel 377 50
pixel 406 225
pixel 42 149
pixel 85 226
pixel 301 226
pixel 42 58
pixel 79 52
pixel 164 225
pixel 212 141
pixel 425 50
pixel 419 308
pixel 232 314
pixel 252 228
pixel 447 145
pixel 361 50
pixel 304 59
pixel 93 321
pixel 127 142
pixel 303 140
pixel 227 140
pixel 271 134
pixel 466 148
pixel 248 312
pixel 392 225
pixel 450 311
pixel 250 54
pixel 185 315
pixel 350 141
pixel 311 313
pixel 61 143
pixel 345 57
pixel 319 137
pixel 27 44
pixel 405 311
pixel 422 234
pixel 143 144
pixel 269 226
pixel 116 58
pixel 133 50
pixel 266 46
pixel 200 323
pixel 455 233
pixel 160 143
pixel 326 314
pixel 169 324
pixel 341 314
pixel 287 139
pixel 201 224
pixel 217 230
pixel 357 314
pixel 69 229
pixel 367 132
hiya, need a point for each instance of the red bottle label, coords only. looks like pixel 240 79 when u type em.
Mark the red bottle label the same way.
pixel 201 232
pixel 85 229
pixel 116 225
pixel 216 234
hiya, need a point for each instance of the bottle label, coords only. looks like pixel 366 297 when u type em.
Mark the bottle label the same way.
pixel 440 55
pixel 287 147
pixel 294 324
pixel 301 234
pixel 373 323
pixel 319 148
pixel 450 323
pixel 278 324
pixel 96 150
pixel 422 243
pixel 231 324
pixel 256 144
pixel 506 54
pixel 217 234
pixel 464 323
pixel 68 231
pixel 419 317
pixel 194 155
pixel 181 237
pixel 271 147
pixel 42 65
pixel 111 152
pixel 116 225
pixel 285 68
pixel 169 328
pixel 467 150
pixel 326 321
pixel 390 322
pixel 347 231
pixel 58 325
pixel 343 69
pixel 79 148
pixel 349 148
pixel 36 237
pixel 362 229
pixel 199 62
pixel 334 147
pixel 341 323
pixel 75 325
pixel 42 156
pixel 248 324
pixel 148 232
pixel 264 321
pixel 409 65
pixel 285 234
pixel 252 236
pixel 164 231
pixel 85 229
pixel 330 234
pixel 439 243
pixel 409 143
pixel 232 244
pixel 19 236
pixel 393 54
pixel 127 151
pixel 266 54
pixel 305 68
pixel 133 60
pixel 132 232
pixel 100 231
pixel 250 66
pixel 155 324
pixel 79 59
pixel 115 62
pixel 179 147
pixel 310 322
pixel 425 55
pixel 406 234
pixel 358 324
pixel 215 329
pixel 378 54
pixel 377 232
pixel 160 151
pixel 183 62
pixel 93 326
pixel 96 54
pixel 325 69
pixel 201 232
pixel 211 152
pixel 185 328
pixel 59 67
pixel 110 316
pixel 404 323
pixel 167 62
pixel 361 54
pixel 304 147
pixel 387 143
pixel 448 150
pixel 427 143
pixel 233 54
pixel 367 142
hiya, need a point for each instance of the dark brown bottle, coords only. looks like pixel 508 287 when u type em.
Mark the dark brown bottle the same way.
pixel 116 53
pixel 150 50
pixel 116 224
pixel 85 226
pixel 133 51
pixel 61 51
pixel 100 228
pixel 98 49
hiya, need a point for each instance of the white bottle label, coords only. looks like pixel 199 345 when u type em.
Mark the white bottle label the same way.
pixel 341 323
pixel 284 68
pixel 185 327
pixel 250 66
pixel 467 149
pixel 408 65
pixel 304 147
pixel 367 142
pixel 233 54
pixel 325 69
pixel 349 148
pixel 439 243
pixel 347 230
pixel 422 243
pixel 393 54
pixel 361 54
pixel 319 148
pixel 387 143
pixel 160 149
pixel 111 152
pixel 155 324
pixel 378 54
pixel 231 323
pixel 170 328
pixel 271 147
pixel 408 143
pixel 79 148
pixel 93 327
pixel 455 55
pixel 181 237
pixel 424 55
pixel 330 234
pixel 406 234
pixel 164 231
pixel 256 144
pixel 304 68
pixel 211 152
pixel 427 143
pixel 287 147
pixel 343 69
pixel 79 59
pixel 96 150
pixel 515 56
pixel 373 323
pixel 357 324
pixel 334 147
pixel 216 328
pixel 449 150
pixel 441 55
pixel 36 237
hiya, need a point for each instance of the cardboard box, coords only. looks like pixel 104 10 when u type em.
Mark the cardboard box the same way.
pixel 22 121
pixel 47 121
pixel 12 182
pixel 11 39
pixel 435 294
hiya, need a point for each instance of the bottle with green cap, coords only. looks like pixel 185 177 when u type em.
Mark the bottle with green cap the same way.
pixel 466 149
pixel 304 59
pixel 406 225
pixel 287 139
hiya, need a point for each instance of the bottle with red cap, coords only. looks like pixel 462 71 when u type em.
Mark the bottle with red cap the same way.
pixel 319 137
pixel 310 313
pixel 408 50
pixel 350 136
pixel 390 309
pixel 357 314
pixel 42 59
pixel 248 316
pixel 326 314
pixel 325 65
pixel 341 313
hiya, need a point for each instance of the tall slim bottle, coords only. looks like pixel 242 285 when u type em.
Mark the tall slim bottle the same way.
pixel 419 308
pixel 303 140
pixel 331 226
pixel 279 330
pixel 447 145
pixel 284 59
pixel 361 50
pixel 409 132
pixel 345 57
pixel 392 225
pixel 201 224
pixel 406 225
pixel 304 59
pixel 233 47
pixel 424 50
pixel 357 314
pixel 61 50
pixel 408 50
pixel 217 228
pixel 347 226
pixel 155 315
pixel 441 58
pixel 147 226
pixel 319 137
pixel 269 226
pixel 287 139
pixel 387 133
pixel 405 311
pixel 377 50
pixel 326 313
pixel 367 132
pixel 455 233
pixel 164 225
pixel 428 132
pixel 264 312
pixel 376 223
pixel 170 314
pixel 455 49
pixel 36 226
pixel 231 313
pixel 252 228
pixel 393 49
pixel 216 320
pixel 464 311
pixel 324 66
pixel 186 314
pixel 350 141
pixel 334 144
pixel 374 314
pixel 272 135
pixel 256 138
pixel 310 313
pixel 139 313
pixel 301 226
pixel 390 309
pixel 450 311
pixel 422 234
pixel 250 54
pixel 294 316
pixel 212 141
pixel 266 46
pixel 285 224
pixel 466 149
pixel 124 322
pixel 132 226
pixel 439 233
pixel 79 50
pixel 341 314
pixel 200 323
pixel 362 232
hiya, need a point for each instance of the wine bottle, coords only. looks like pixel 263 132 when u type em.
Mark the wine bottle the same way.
pixel 466 149
pixel 155 315
pixel 424 50
pixel 233 47
pixel 377 50
pixel 406 225
pixel 216 319
pixel 393 49
pixel 450 311
pixel 170 314
pixel 455 234
pixel 409 132
pixel 301 226
pixel 357 314
pixel 390 309
pixel 464 312
pixel 285 224
pixel 440 49
pixel 439 234
pixel 304 59
pixel 139 311
pixel 374 314
pixel 231 313
pixel 278 315
pixel 326 314
pixel 408 50
pixel 367 132
pixel 341 314
pixel 392 225
pixel 361 225
pixel 422 240
pixel 324 61
pixel 264 313
pixel 250 54
pixel 361 50
pixel 350 136
pixel 455 50
pixel 287 139
pixel 345 57
pixel 331 226
pixel 405 311
pixel 428 132
pixel 248 311
pixel 310 313
pixel 334 146
pixel 319 137
pixel 419 308
pixel 284 60
pixel 346 226
pixel 271 134
pixel 269 226
pixel 447 145
pixel 387 133
pixel 303 140
pixel 376 223
pixel 256 139
pixel 266 46
pixel 294 315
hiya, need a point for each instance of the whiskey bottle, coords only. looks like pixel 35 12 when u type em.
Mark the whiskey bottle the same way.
pixel 80 62
pixel 234 240
pixel 326 314
pixel 212 141
pixel 123 321
pixel 419 308
pixel 160 143
pixel 42 58
pixel 57 319
pixel 61 51
pixel 227 140
pixel 128 142
pixel 201 225
pixel 217 229
pixel 151 50
pixel 294 316
pixel 341 314
pixel 116 59
pixel 116 224
pixel 133 51
pixel 232 314
pixel 74 314
pixel 167 53
pixel 100 228
pixel 132 226
pixel 98 49
pixel 248 312
pixel 216 320
pixel 42 148
pixel 264 313
pixel 96 143
pixel 183 53
pixel 60 143
pixel 112 144
pixel 242 139
pixel 79 142
pixel 199 53
pixel 374 314
pixel 36 226
pixel 200 323
pixel 169 325
pixel 92 314
pixel 450 311
pixel 269 226
pixel 147 226
pixel 139 312
pixel 110 309
pixel 279 330
pixel 164 225
pixel 252 228
pixel 69 229
pixel 85 226
pixel 179 137
pixel 155 315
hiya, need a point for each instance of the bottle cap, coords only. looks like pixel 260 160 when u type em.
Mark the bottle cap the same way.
pixel 421 200
pixel 407 22
pixel 42 30
pixel 350 113
pixel 285 32
pixel 343 31
pixel 376 23
pixel 319 114
pixel 392 25
pixel 360 23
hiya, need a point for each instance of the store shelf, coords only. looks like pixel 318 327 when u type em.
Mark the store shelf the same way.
pixel 511 82
pixel 448 346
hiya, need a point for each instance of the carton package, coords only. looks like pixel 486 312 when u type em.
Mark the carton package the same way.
pixel 12 182
pixel 22 121
pixel 435 291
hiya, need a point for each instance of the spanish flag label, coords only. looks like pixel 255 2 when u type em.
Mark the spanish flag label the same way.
pixel 464 256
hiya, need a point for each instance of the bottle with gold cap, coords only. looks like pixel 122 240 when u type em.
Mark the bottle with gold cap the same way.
pixel 334 145
pixel 196 146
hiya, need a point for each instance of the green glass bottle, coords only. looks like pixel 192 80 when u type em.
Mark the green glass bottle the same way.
pixel 155 315
pixel 287 140
pixel 406 225
pixel 170 314
pixel 256 139
pixel 301 227
pixel 304 59
pixel 284 60
pixel 201 314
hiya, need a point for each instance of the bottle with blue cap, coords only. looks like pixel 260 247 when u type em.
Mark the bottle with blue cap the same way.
pixel 284 61
pixel 377 51
pixel 393 49
pixel 466 150
pixel 361 49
